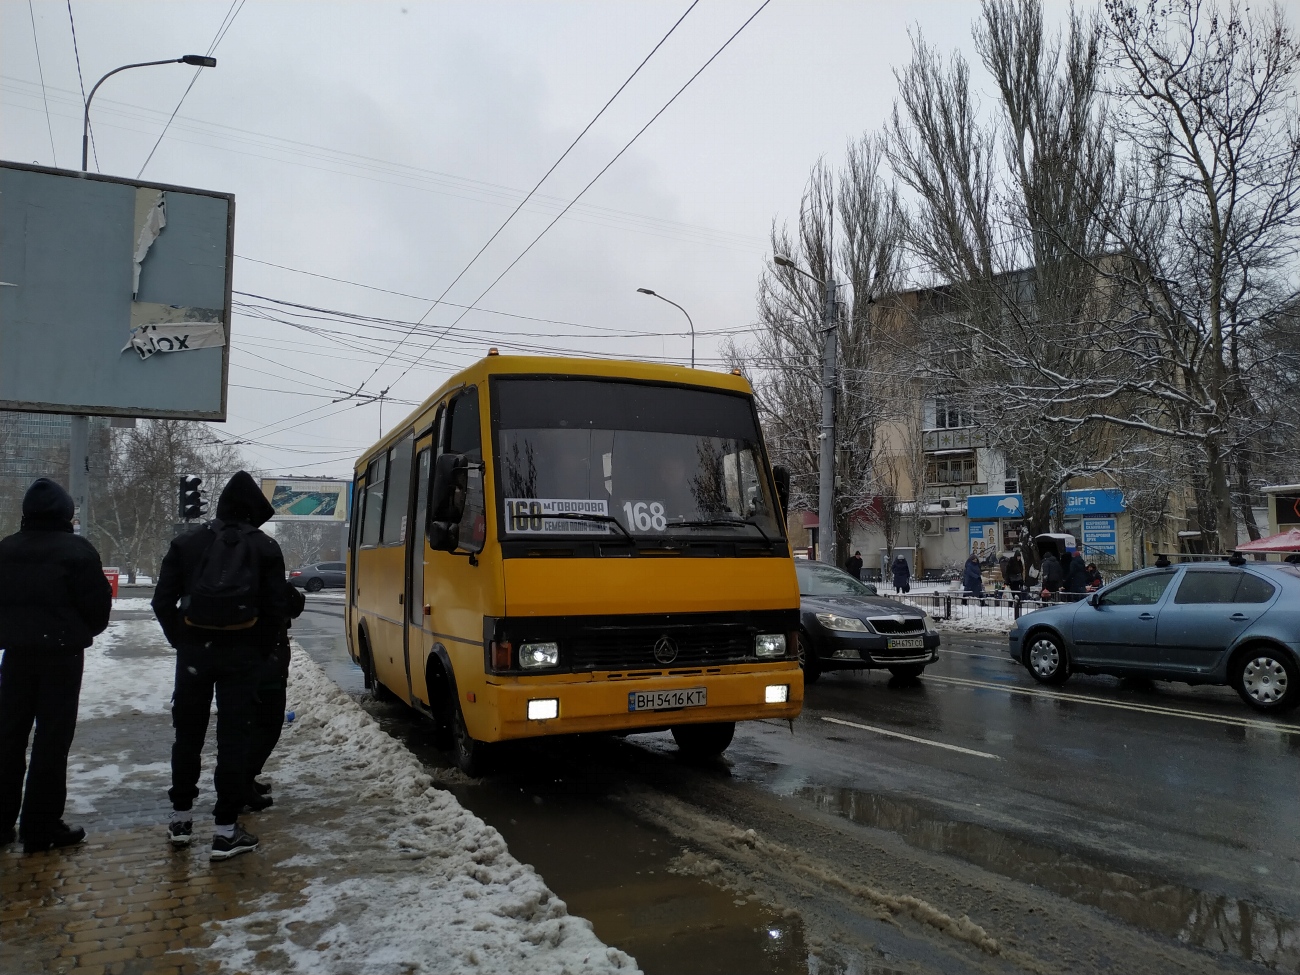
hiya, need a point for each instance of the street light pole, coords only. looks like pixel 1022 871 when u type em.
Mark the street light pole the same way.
pixel 79 433
pixel 654 294
pixel 826 467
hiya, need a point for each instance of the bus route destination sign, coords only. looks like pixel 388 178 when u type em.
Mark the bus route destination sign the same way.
pixel 541 516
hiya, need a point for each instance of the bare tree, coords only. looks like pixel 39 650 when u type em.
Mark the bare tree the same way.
pixel 849 223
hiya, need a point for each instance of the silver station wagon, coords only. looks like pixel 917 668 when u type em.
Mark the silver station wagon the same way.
pixel 1208 623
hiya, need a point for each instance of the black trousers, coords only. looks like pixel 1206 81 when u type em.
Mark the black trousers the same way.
pixel 231 673
pixel 38 689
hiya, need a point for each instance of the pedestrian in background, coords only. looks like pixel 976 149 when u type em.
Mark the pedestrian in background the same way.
pixel 54 601
pixel 1076 576
pixel 1014 573
pixel 1095 580
pixel 221 601
pixel 1051 574
pixel 902 575
pixel 972 579
pixel 270 699
pixel 854 565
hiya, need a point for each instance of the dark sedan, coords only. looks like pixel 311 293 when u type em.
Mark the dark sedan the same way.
pixel 321 575
pixel 1205 623
pixel 845 625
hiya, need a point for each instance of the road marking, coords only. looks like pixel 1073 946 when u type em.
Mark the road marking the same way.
pixel 1099 702
pixel 1000 657
pixel 919 741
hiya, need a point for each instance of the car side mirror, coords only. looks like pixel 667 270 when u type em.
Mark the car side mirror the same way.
pixel 446 501
pixel 1094 599
pixel 782 477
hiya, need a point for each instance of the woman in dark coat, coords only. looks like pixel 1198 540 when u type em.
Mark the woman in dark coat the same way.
pixel 971 578
pixel 1014 573
pixel 1076 576
pixel 902 575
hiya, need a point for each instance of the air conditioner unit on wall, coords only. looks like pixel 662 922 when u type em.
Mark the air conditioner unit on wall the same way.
pixel 931 526
pixel 947 502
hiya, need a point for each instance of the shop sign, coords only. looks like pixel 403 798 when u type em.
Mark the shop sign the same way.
pixel 1094 501
pixel 987 506
pixel 1100 537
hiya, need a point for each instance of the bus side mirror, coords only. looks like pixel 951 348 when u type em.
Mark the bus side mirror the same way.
pixel 782 478
pixel 446 502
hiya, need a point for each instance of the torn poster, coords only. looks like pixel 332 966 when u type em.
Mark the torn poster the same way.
pixel 150 219
pixel 170 328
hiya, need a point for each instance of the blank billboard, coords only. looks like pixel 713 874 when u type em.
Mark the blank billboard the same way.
pixel 114 295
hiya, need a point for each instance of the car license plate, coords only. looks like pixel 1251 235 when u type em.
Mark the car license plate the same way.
pixel 688 697
pixel 907 643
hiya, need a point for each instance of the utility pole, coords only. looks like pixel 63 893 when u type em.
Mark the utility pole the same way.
pixel 826 485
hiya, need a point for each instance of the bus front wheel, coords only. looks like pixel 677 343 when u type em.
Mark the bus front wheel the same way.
pixel 704 740
pixel 470 755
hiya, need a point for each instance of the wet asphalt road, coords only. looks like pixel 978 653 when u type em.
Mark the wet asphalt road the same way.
pixel 1098 826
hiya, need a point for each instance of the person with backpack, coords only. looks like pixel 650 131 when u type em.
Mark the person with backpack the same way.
pixel 1052 575
pixel 54 600
pixel 270 698
pixel 221 600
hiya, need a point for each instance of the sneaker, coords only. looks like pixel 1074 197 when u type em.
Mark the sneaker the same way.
pixel 223 848
pixel 61 836
pixel 179 833
pixel 256 803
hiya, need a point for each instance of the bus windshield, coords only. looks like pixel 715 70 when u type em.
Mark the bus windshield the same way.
pixel 605 457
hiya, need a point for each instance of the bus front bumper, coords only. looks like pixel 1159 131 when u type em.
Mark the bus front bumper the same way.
pixel 601 705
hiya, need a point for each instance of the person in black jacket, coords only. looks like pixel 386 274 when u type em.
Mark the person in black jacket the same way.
pixel 224 661
pixel 1052 575
pixel 1076 575
pixel 270 697
pixel 54 600
pixel 854 565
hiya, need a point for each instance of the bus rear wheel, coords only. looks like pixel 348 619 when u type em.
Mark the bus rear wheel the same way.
pixel 470 755
pixel 704 740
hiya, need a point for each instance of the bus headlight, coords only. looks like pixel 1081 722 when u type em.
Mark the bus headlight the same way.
pixel 769 645
pixel 777 693
pixel 533 656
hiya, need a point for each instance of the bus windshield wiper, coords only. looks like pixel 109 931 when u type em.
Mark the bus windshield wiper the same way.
pixel 711 522
pixel 603 519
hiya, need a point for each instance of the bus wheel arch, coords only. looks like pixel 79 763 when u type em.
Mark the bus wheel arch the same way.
pixel 366 658
pixel 440 680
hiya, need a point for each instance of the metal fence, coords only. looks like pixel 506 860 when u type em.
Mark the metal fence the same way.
pixel 957 605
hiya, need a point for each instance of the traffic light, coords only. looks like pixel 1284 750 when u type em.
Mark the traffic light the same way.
pixel 192 504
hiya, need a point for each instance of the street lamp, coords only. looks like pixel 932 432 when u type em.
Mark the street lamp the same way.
pixel 826 467
pixel 198 60
pixel 79 426
pixel 652 294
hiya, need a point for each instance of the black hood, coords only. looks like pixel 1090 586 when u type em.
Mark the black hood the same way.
pixel 47 506
pixel 242 500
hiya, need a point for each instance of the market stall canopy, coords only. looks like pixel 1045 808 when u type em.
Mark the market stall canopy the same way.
pixel 1287 541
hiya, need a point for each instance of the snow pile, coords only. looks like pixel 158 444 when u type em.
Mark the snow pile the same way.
pixel 421 884
pixel 976 624
pixel 132 603
pixel 405 879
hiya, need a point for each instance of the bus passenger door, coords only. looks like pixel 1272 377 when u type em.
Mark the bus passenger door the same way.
pixel 419 637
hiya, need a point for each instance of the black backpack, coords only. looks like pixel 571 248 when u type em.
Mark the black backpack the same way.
pixel 224 594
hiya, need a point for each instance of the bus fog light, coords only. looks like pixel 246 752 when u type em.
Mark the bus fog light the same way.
pixel 549 707
pixel 777 693
pixel 535 655
pixel 769 645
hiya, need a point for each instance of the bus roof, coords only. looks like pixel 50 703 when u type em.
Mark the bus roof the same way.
pixel 540 365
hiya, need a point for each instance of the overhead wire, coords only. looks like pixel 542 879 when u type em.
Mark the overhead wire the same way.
pixel 537 186
pixel 226 21
pixel 591 183
pixel 41 71
pixel 81 81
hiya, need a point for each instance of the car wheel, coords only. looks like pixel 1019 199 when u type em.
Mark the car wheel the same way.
pixel 315 585
pixel 704 740
pixel 808 660
pixel 907 671
pixel 1046 660
pixel 470 755
pixel 1267 680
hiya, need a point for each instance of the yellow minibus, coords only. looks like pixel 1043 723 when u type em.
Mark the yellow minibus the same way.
pixel 554 546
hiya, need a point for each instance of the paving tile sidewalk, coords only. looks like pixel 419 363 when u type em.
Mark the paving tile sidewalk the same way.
pixel 361 859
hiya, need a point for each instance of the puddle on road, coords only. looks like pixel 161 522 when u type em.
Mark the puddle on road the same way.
pixel 1191 916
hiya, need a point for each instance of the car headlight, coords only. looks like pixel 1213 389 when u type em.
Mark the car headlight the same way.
pixel 850 624
pixel 930 625
pixel 533 656
pixel 769 645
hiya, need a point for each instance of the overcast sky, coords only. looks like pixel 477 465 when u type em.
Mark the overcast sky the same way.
pixel 383 144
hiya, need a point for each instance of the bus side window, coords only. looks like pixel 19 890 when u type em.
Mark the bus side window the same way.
pixel 399 492
pixel 422 469
pixel 464 436
pixel 373 515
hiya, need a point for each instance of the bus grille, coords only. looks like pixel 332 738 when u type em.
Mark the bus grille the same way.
pixel 635 649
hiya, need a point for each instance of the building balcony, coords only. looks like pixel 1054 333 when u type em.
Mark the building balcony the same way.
pixel 958 438
pixel 933 492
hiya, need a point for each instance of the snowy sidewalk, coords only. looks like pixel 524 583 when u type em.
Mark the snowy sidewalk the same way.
pixel 364 867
